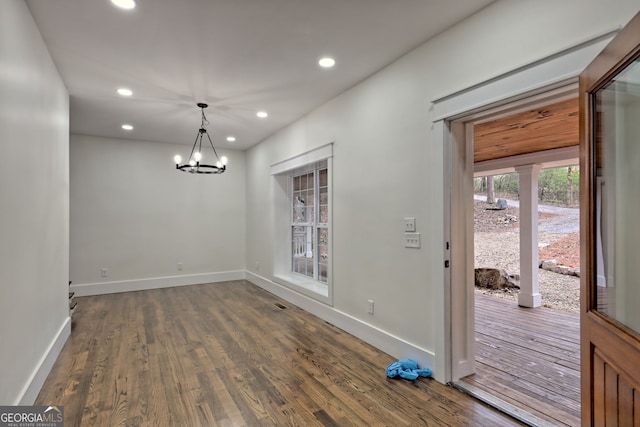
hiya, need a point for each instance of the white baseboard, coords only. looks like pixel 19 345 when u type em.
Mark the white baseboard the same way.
pixel 390 344
pixel 88 289
pixel 31 389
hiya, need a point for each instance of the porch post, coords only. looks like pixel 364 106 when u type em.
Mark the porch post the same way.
pixel 528 183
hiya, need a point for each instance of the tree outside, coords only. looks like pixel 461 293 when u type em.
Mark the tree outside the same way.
pixel 556 186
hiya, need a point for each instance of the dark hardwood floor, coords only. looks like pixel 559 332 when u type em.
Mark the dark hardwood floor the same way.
pixel 229 354
pixel 529 358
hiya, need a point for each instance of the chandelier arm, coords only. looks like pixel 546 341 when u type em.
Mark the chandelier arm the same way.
pixel 194 147
pixel 214 148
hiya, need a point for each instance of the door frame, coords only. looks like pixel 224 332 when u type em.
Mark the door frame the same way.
pixel 547 79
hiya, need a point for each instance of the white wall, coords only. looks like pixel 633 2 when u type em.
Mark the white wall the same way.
pixel 386 166
pixel 34 207
pixel 134 214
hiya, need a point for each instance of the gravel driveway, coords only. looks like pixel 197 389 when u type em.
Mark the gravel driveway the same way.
pixel 497 245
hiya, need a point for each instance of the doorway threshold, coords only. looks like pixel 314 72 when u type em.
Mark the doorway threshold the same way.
pixel 501 405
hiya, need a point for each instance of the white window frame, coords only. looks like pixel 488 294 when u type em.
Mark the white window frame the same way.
pixel 282 190
pixel 310 243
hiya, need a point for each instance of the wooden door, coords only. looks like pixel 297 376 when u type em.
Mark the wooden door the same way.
pixel 610 224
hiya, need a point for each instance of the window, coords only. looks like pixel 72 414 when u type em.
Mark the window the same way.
pixel 310 223
pixel 302 223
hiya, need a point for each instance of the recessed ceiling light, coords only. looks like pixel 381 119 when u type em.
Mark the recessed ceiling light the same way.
pixel 262 114
pixel 124 91
pixel 124 4
pixel 327 62
pixel 231 139
pixel 127 127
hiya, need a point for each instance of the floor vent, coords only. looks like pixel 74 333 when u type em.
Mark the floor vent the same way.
pixel 280 306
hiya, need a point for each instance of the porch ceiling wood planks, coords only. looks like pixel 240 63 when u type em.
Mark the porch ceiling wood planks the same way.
pixel 544 128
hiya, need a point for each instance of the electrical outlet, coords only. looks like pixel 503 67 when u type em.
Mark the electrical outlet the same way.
pixel 409 225
pixel 370 311
pixel 180 266
pixel 412 240
pixel 104 272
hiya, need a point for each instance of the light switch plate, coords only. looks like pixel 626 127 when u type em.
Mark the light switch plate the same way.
pixel 412 240
pixel 409 225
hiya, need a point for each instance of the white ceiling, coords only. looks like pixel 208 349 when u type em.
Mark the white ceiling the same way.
pixel 239 56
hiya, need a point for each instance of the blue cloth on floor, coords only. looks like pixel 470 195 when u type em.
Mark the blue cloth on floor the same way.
pixel 407 369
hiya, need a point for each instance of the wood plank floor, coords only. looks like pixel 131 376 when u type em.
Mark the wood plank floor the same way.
pixel 226 354
pixel 529 358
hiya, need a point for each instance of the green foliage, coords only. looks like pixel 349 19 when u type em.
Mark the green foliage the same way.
pixel 555 186
pixel 505 185
pixel 559 185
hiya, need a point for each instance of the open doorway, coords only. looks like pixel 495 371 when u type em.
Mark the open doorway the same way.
pixel 526 360
pixel 551 79
pixel 529 357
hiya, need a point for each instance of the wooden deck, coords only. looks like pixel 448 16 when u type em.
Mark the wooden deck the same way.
pixel 529 358
pixel 232 354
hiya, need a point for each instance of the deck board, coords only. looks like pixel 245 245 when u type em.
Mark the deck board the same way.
pixel 529 358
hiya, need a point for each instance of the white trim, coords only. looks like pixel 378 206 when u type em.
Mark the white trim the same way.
pixel 87 289
pixel 378 338
pixel 443 294
pixel 330 232
pixel 566 156
pixel 281 209
pixel 31 389
pixel 314 155
pixel 461 347
pixel 553 71
pixel 309 287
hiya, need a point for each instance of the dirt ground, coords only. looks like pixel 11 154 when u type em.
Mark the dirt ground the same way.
pixel 496 245
pixel 566 250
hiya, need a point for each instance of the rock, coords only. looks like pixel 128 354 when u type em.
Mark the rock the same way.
pixel 554 266
pixel 501 204
pixel 493 278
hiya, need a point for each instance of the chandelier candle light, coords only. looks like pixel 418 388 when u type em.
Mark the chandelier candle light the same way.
pixel 193 164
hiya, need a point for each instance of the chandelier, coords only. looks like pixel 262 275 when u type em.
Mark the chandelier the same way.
pixel 193 164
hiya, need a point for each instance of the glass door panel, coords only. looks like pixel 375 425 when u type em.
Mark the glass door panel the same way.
pixel 617 196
